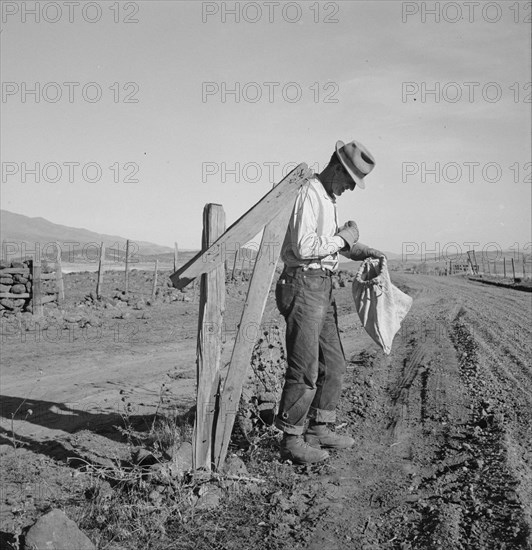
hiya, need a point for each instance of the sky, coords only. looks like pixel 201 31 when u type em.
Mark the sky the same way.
pixel 143 112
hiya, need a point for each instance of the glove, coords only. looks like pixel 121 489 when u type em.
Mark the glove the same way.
pixel 374 253
pixel 360 251
pixel 349 233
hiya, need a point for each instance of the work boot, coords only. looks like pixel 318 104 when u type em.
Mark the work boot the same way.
pixel 319 435
pixel 294 448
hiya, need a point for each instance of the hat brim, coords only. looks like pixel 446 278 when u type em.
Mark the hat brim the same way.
pixel 343 159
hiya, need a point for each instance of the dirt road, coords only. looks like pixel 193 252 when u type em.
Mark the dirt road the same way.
pixel 443 425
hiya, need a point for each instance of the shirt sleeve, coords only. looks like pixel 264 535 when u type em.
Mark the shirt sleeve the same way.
pixel 306 243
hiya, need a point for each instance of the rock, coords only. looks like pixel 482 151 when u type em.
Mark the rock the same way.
pixel 210 499
pixel 4 264
pixel 28 286
pixel 234 466
pixel 139 304
pixel 18 289
pixel 55 531
pixel 18 265
pixel 8 303
pixel 20 278
pixel 6 279
pixel 182 458
pixel 5 288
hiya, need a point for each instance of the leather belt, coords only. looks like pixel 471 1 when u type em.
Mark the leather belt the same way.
pixel 311 271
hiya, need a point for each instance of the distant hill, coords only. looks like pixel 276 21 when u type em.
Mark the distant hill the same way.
pixel 24 232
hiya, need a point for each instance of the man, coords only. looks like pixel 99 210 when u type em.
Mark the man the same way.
pixel 316 361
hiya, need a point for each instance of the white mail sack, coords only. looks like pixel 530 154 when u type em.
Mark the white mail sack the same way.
pixel 381 306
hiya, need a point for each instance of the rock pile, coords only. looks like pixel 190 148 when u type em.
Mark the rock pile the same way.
pixel 15 287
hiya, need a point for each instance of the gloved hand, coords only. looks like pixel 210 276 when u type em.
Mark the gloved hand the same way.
pixel 374 253
pixel 349 233
pixel 359 251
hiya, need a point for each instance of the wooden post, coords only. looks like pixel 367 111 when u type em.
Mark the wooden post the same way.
pixel 482 260
pixel 470 262
pixel 495 266
pixel 259 286
pixel 36 288
pixel 99 280
pixel 234 264
pixel 176 256
pixel 59 276
pixel 524 270
pixel 154 288
pixel 212 305
pixel 450 267
pixel 475 260
pixel 127 268
pixel 504 267
pixel 513 268
pixel 489 270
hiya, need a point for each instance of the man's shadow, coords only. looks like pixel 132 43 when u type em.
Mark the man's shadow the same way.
pixel 67 419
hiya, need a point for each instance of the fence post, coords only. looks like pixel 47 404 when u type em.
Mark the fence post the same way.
pixel 99 280
pixel 504 266
pixel 59 276
pixel 513 268
pixel 36 288
pixel 176 256
pixel 127 268
pixel 209 349
pixel 154 280
pixel 524 269
pixel 475 260
pixel 234 264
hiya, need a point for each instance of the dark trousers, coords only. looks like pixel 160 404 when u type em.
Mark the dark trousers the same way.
pixel 316 361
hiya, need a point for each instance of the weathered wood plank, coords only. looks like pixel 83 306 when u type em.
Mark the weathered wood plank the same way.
pixel 259 286
pixel 48 276
pixel 244 228
pixel 211 308
pixel 14 296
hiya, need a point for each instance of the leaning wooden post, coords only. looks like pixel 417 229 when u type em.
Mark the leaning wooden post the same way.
pixel 513 268
pixel 36 288
pixel 154 288
pixel 99 281
pixel 176 256
pixel 126 289
pixel 504 267
pixel 59 276
pixel 209 350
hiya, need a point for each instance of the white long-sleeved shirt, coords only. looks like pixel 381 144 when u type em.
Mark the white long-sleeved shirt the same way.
pixel 310 240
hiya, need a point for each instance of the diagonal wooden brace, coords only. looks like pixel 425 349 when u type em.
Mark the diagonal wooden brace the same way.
pixel 244 228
